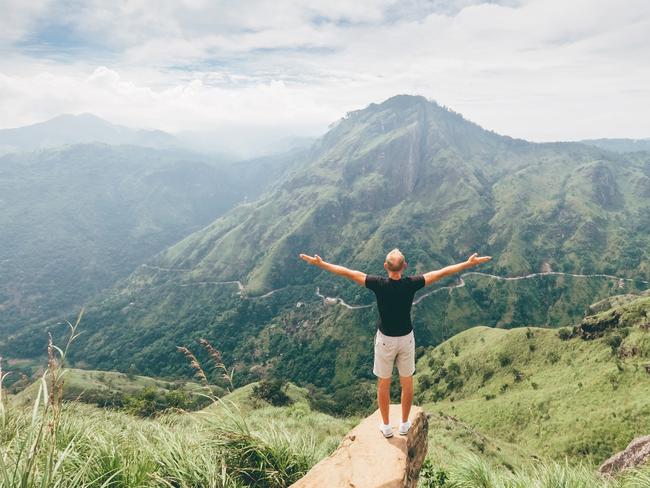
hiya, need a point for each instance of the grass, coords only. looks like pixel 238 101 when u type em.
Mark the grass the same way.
pixel 99 387
pixel 553 397
pixel 233 443
pixel 476 472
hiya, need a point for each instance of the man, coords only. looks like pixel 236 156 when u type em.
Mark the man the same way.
pixel 394 340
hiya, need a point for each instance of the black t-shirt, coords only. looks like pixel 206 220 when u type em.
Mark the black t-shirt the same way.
pixel 394 300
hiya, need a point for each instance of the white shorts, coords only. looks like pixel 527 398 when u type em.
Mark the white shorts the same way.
pixel 394 349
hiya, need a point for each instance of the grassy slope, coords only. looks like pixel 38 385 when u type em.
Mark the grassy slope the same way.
pixel 187 448
pixel 295 420
pixel 88 385
pixel 575 398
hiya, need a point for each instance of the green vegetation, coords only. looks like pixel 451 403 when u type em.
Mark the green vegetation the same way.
pixel 79 218
pixel 508 415
pixel 475 472
pixel 55 443
pixel 505 415
pixel 405 173
pixel 136 394
pixel 580 397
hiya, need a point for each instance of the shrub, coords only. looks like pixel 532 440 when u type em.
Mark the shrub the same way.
pixel 614 341
pixel 432 362
pixel 431 477
pixel 505 359
pixel 424 382
pixel 487 374
pixel 529 334
pixel 553 357
pixel 453 368
pixel 564 334
pixel 273 391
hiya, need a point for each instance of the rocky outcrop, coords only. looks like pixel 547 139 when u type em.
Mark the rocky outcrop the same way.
pixel 635 454
pixel 610 302
pixel 629 311
pixel 595 326
pixel 365 459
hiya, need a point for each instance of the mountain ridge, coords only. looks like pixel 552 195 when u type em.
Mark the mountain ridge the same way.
pixel 408 174
pixel 70 129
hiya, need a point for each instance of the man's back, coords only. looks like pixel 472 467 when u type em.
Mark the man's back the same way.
pixel 394 301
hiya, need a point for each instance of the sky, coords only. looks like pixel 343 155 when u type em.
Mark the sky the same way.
pixel 537 69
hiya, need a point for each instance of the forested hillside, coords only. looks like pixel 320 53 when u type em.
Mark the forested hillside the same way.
pixel 566 218
pixel 75 219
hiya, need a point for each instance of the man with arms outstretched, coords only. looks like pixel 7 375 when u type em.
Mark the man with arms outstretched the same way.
pixel 394 340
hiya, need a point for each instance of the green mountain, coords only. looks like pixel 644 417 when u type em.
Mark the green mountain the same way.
pixel 76 219
pixel 404 173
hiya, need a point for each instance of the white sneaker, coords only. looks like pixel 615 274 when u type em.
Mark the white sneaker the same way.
pixel 404 427
pixel 387 430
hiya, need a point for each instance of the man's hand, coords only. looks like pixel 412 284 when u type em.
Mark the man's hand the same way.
pixel 475 260
pixel 316 260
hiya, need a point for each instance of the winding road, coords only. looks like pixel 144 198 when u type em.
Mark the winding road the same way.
pixel 338 300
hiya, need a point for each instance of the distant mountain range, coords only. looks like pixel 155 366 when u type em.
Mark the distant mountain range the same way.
pixel 227 142
pixel 80 129
pixel 620 145
pixel 406 173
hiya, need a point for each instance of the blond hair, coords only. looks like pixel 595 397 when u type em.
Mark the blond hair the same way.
pixel 395 260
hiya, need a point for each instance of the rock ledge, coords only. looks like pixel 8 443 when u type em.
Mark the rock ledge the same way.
pixel 365 459
pixel 635 454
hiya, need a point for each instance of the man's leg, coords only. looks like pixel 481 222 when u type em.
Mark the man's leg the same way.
pixel 385 350
pixel 406 368
pixel 407 395
pixel 383 397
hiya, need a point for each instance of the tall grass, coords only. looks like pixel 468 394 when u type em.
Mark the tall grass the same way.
pixel 475 472
pixel 58 444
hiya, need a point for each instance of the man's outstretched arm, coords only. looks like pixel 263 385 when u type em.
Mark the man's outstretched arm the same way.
pixel 357 276
pixel 473 260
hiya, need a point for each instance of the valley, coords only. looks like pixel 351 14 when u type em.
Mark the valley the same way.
pixel 517 361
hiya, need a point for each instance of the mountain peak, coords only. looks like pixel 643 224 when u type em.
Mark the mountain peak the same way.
pixel 80 128
pixel 82 117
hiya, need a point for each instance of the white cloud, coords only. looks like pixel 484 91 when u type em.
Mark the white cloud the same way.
pixel 542 70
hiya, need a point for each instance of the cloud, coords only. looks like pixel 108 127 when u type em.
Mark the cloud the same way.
pixel 539 69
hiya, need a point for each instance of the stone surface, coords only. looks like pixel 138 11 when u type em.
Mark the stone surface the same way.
pixel 635 454
pixel 365 459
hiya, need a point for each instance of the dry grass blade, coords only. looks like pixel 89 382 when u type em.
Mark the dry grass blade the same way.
pixel 194 363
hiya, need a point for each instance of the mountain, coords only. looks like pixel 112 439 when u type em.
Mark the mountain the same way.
pixel 78 218
pixel 620 145
pixel 79 129
pixel 566 218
